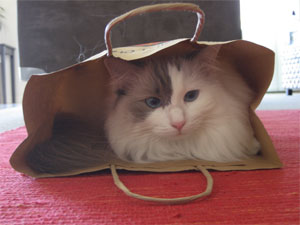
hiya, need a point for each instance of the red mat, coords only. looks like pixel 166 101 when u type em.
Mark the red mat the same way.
pixel 239 197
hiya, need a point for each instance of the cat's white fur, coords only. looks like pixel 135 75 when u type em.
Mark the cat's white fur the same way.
pixel 216 128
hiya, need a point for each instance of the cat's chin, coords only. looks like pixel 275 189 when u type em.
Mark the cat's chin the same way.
pixel 173 135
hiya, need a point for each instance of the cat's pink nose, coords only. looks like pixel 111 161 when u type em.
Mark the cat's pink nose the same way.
pixel 178 125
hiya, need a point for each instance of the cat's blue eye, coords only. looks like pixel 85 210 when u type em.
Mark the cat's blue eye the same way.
pixel 153 102
pixel 191 95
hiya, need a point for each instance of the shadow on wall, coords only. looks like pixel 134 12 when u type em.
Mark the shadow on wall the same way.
pixel 56 34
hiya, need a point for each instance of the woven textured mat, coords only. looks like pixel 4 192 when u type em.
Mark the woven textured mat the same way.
pixel 239 197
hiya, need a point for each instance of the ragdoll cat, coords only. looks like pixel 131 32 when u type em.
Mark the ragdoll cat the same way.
pixel 180 107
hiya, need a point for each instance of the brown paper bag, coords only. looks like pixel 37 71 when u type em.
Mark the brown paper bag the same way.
pixel 52 102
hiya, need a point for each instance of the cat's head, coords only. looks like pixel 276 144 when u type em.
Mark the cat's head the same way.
pixel 163 97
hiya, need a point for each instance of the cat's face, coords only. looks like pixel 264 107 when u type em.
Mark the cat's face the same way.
pixel 163 98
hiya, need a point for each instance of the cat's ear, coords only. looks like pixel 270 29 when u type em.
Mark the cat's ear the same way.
pixel 118 68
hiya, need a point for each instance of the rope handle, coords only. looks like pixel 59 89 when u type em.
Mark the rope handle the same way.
pixel 186 199
pixel 154 8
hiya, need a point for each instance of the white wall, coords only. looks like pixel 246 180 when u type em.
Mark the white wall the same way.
pixel 9 36
pixel 268 23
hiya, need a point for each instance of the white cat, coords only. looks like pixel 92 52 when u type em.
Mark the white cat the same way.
pixel 181 107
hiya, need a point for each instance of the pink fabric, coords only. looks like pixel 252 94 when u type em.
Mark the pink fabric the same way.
pixel 239 197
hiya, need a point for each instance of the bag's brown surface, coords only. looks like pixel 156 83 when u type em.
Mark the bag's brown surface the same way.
pixel 81 90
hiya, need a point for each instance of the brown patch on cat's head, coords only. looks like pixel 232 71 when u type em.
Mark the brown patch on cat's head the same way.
pixel 139 80
pixel 135 81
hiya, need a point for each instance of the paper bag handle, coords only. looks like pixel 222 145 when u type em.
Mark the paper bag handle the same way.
pixel 154 8
pixel 208 190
